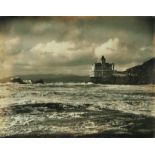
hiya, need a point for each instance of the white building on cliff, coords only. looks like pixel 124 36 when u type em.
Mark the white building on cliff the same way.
pixel 102 69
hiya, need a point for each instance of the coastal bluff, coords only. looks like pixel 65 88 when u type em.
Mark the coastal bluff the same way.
pixel 105 73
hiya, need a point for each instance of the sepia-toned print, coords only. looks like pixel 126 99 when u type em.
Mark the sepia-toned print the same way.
pixel 74 77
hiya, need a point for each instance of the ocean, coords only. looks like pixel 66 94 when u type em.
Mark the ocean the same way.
pixel 77 110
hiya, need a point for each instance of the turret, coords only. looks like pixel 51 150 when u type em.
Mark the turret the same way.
pixel 103 60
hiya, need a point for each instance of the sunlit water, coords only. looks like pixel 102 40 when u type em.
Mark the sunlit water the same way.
pixel 76 110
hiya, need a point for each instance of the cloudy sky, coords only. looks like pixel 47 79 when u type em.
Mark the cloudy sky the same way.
pixel 69 45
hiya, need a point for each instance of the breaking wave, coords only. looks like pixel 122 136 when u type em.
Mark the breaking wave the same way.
pixel 76 109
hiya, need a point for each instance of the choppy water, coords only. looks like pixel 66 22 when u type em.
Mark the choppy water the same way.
pixel 76 110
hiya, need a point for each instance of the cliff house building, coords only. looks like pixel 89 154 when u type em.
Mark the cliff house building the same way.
pixel 101 71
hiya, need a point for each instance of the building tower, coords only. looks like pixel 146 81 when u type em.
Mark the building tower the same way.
pixel 103 60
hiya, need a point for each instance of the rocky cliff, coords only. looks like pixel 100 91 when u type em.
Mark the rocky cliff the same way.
pixel 142 74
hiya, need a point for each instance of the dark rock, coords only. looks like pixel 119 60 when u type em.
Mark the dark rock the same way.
pixel 17 80
pixel 39 81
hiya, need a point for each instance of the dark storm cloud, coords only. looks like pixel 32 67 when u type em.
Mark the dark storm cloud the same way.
pixel 65 42
pixel 95 29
